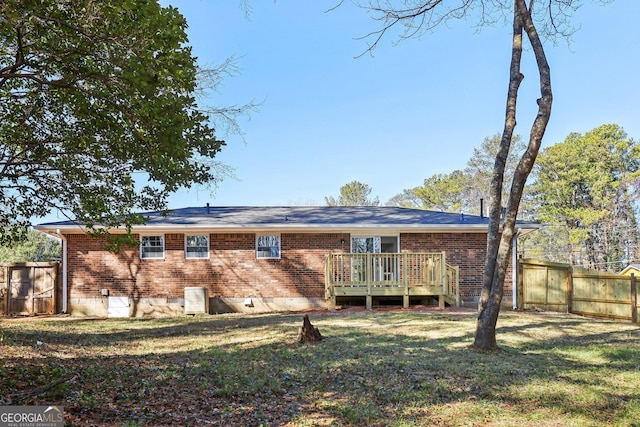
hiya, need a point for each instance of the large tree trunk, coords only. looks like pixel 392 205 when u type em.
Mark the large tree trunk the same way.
pixel 499 238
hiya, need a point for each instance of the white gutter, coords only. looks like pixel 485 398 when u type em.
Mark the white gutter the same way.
pixel 514 269
pixel 64 270
pixel 310 228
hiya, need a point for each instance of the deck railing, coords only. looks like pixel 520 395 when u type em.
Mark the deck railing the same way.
pixel 391 274
pixel 453 283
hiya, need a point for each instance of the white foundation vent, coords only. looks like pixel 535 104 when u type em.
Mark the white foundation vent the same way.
pixel 118 307
pixel 196 300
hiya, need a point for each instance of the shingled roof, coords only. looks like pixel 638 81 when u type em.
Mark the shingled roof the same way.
pixel 305 218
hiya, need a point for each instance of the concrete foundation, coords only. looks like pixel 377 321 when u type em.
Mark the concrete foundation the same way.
pixel 264 305
pixel 168 307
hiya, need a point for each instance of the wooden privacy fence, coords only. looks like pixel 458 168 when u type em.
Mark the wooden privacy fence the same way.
pixel 561 287
pixel 29 288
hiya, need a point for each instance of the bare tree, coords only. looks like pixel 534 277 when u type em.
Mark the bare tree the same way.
pixel 552 17
pixel 499 244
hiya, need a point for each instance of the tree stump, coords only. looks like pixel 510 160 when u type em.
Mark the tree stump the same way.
pixel 308 332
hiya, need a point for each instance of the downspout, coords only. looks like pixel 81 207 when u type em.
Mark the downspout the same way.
pixel 64 270
pixel 514 269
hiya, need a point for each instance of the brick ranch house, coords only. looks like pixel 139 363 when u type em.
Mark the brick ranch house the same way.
pixel 257 259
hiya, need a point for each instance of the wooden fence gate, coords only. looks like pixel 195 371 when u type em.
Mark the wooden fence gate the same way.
pixel 545 285
pixel 561 287
pixel 29 288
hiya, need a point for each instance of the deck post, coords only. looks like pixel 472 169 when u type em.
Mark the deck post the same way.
pixel 369 278
pixel 443 280
pixel 457 270
pixel 327 282
pixel 443 274
pixel 405 280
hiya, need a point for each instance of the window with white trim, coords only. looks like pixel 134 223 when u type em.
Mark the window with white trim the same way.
pixel 267 246
pixel 151 247
pixel 196 247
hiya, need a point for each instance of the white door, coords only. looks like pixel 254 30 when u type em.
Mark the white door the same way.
pixel 383 267
pixel 363 245
pixel 366 245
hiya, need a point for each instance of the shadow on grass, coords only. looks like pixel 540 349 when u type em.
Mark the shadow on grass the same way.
pixel 372 369
pixel 117 331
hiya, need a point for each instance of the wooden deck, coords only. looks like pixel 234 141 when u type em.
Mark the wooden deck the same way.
pixel 392 274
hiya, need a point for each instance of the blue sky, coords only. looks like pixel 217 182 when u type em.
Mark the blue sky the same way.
pixel 390 120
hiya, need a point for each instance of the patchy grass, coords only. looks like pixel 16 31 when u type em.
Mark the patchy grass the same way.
pixel 399 368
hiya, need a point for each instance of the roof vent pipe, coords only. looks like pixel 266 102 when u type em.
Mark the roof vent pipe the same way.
pixel 481 207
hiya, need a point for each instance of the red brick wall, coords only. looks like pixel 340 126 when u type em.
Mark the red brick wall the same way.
pixel 298 273
pixel 233 270
pixel 465 250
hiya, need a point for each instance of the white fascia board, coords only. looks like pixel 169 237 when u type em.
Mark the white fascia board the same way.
pixel 251 228
pixel 58 229
pixel 259 228
pixel 290 228
pixel 71 229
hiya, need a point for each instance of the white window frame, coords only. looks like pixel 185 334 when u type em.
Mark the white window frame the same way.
pixel 186 246
pixel 147 236
pixel 262 254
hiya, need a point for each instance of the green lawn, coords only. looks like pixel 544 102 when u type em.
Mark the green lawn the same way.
pixel 395 368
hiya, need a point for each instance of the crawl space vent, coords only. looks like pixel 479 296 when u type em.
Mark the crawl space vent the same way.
pixel 196 300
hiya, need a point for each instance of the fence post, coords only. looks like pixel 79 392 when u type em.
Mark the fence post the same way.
pixel 32 277
pixel 9 273
pixel 634 299
pixel 4 291
pixel 519 286
pixel 569 289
